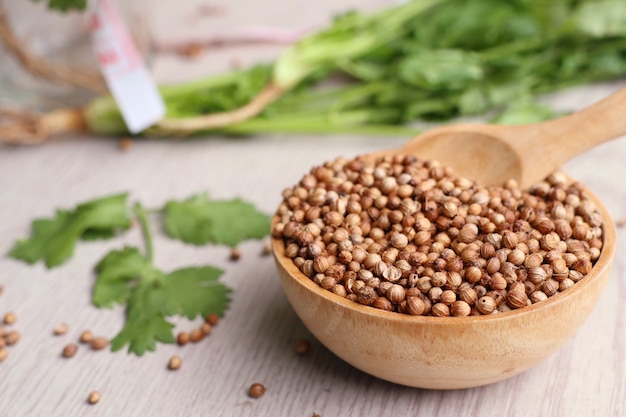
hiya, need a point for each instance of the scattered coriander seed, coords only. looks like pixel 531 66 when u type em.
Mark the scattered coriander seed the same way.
pixel 621 222
pixel 9 318
pixel 267 249
pixel 1 290
pixel 212 319
pixel 125 144
pixel 60 329
pixel 94 397
pixel 206 328
pixel 196 335
pixel 70 350
pixel 99 343
pixel 174 363
pixel 256 390
pixel 3 354
pixel 3 343
pixel 182 339
pixel 12 337
pixel 302 346
pixel 235 254
pixel 86 337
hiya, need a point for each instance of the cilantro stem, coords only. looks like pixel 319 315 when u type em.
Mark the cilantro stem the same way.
pixel 142 217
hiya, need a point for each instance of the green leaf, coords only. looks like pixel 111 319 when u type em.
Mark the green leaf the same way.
pixel 195 291
pixel 66 5
pixel 150 296
pixel 118 273
pixel 145 321
pixel 447 68
pixel 53 240
pixel 473 101
pixel 601 18
pixel 525 112
pixel 199 220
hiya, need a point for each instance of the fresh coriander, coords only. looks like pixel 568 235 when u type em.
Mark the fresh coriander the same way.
pixel 66 5
pixel 421 60
pixel 127 277
pixel 199 220
pixel 53 239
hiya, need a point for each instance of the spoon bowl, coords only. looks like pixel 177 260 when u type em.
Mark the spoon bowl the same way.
pixel 445 352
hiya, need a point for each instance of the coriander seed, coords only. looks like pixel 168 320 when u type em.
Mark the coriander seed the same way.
pixel 174 363
pixel 460 309
pixel 517 299
pixel 182 339
pixel 60 329
pixel 212 319
pixel 86 337
pixel 447 297
pixel 302 347
pixel 235 254
pixel 256 390
pixel 206 328
pixel 12 337
pixel 94 397
pixel 396 293
pixel 486 304
pixel 99 343
pixel 69 350
pixel 9 318
pixel 124 144
pixel 3 354
pixel 196 335
pixel 440 310
pixel 267 249
pixel 415 306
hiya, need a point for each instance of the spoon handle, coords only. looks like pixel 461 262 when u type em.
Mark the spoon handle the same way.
pixel 548 145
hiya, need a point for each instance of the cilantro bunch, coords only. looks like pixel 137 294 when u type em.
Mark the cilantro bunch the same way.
pixel 128 277
pixel 422 60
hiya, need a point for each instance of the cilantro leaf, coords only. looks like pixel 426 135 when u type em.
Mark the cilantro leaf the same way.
pixel 524 112
pixel 118 273
pixel 145 320
pixel 195 290
pixel 601 18
pixel 53 240
pixel 65 5
pixel 128 278
pixel 199 220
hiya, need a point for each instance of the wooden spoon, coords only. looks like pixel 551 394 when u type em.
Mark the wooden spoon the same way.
pixel 492 154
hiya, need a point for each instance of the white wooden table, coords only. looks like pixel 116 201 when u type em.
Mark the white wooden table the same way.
pixel 254 342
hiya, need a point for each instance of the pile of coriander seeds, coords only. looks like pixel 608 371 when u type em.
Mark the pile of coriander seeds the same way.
pixel 405 235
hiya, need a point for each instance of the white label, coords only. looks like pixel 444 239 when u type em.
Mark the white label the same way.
pixel 126 75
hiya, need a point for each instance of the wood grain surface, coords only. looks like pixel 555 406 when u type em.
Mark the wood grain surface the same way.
pixel 254 342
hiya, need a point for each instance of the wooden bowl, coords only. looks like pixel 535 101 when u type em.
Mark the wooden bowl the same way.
pixel 445 352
